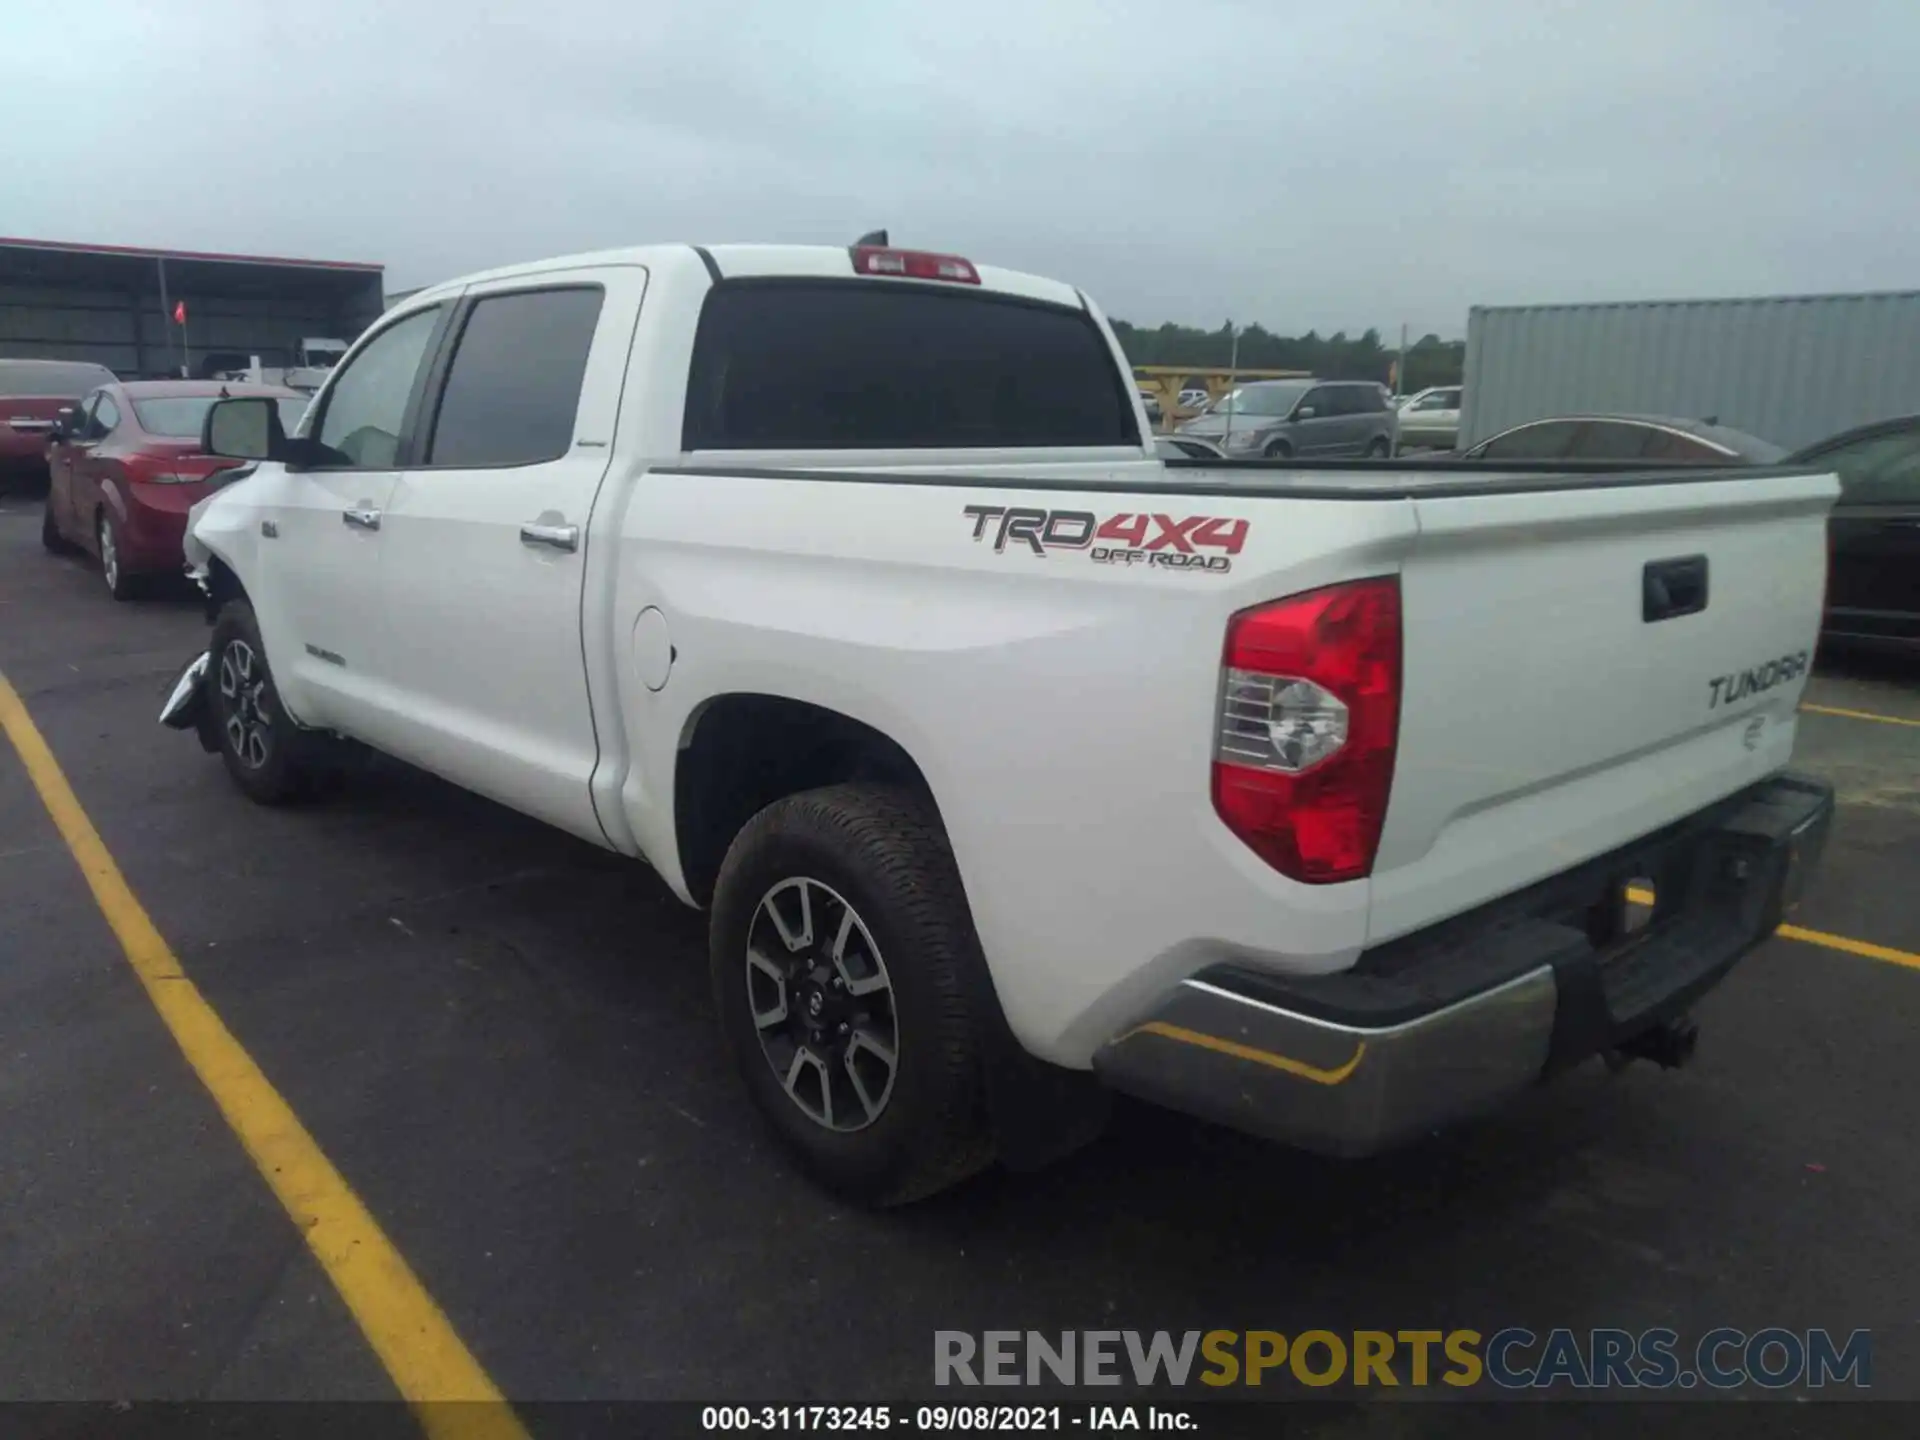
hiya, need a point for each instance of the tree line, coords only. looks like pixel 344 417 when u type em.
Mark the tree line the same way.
pixel 1430 360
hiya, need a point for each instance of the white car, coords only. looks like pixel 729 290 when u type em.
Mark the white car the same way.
pixel 1430 420
pixel 844 588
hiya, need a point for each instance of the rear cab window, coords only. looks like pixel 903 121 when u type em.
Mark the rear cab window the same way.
pixel 819 364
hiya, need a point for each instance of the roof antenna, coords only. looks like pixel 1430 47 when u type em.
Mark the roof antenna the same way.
pixel 872 237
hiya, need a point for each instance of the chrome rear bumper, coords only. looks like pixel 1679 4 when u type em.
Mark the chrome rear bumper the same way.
pixel 1436 1027
pixel 1336 1088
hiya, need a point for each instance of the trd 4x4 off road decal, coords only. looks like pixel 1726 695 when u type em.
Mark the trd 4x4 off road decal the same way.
pixel 1123 539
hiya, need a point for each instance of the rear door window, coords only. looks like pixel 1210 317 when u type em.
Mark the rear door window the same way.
pixel 513 389
pixel 870 365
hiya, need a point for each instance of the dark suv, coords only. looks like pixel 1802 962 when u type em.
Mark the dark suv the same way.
pixel 1873 576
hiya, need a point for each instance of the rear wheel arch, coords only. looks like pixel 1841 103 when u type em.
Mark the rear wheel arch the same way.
pixel 740 752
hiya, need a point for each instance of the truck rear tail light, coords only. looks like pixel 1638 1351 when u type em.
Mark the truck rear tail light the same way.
pixel 913 265
pixel 1309 718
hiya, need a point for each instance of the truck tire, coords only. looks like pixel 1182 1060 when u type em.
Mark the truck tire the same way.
pixel 839 947
pixel 269 758
pixel 1279 450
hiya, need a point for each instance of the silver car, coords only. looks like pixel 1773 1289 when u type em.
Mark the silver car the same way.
pixel 1431 419
pixel 1304 419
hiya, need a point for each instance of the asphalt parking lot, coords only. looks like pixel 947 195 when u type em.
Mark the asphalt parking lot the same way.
pixel 501 1038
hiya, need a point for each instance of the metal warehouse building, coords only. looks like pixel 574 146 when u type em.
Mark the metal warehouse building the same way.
pixel 1790 369
pixel 115 305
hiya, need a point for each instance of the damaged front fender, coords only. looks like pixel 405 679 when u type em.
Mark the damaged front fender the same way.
pixel 188 707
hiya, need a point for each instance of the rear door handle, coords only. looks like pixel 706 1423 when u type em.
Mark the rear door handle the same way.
pixel 361 518
pixel 556 537
pixel 1671 588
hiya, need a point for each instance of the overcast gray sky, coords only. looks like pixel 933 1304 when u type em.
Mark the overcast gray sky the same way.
pixel 1334 164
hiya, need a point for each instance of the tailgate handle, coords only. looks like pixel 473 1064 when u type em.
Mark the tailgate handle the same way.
pixel 1669 588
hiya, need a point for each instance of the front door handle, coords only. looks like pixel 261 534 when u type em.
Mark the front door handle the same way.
pixel 361 518
pixel 557 537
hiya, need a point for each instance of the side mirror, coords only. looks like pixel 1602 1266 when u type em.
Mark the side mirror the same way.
pixel 246 428
pixel 1305 412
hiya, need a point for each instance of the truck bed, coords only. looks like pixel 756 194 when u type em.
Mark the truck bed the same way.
pixel 1304 479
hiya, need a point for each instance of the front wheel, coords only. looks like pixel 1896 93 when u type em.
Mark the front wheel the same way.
pixel 266 754
pixel 1279 450
pixel 840 949
pixel 1379 448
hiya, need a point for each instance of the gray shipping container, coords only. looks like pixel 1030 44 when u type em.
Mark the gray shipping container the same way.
pixel 1790 369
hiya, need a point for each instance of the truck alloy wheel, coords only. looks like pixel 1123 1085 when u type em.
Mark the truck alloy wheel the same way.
pixel 246 711
pixel 875 1083
pixel 822 1004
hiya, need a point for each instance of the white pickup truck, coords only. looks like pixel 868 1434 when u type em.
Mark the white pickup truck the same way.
pixel 843 588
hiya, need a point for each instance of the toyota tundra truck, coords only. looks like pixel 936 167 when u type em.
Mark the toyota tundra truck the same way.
pixel 1013 766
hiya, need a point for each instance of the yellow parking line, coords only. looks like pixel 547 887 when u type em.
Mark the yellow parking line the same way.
pixel 1852 947
pixel 1816 937
pixel 1860 715
pixel 414 1340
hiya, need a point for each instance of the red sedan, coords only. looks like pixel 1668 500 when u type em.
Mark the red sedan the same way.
pixel 125 467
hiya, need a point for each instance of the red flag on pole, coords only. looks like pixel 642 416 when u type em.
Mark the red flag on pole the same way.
pixel 180 313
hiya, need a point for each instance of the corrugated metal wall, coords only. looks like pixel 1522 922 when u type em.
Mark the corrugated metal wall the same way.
pixel 130 335
pixel 1791 370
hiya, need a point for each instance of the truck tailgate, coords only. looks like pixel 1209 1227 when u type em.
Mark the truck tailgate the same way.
pixel 1583 666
